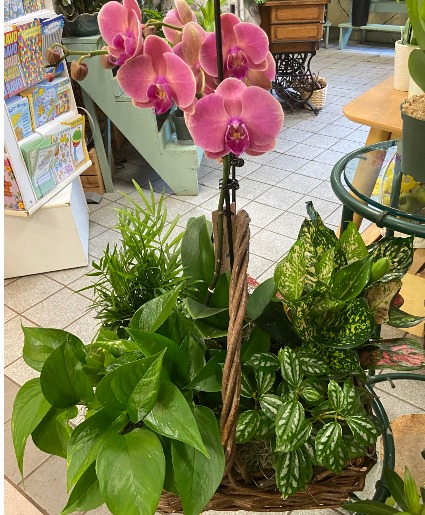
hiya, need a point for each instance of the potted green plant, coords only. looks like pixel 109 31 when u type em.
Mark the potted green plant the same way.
pixel 80 16
pixel 402 50
pixel 413 109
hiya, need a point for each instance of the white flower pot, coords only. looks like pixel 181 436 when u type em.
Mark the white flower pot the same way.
pixel 401 69
pixel 414 89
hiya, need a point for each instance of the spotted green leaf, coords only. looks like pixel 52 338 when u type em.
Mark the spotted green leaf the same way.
pixel 350 280
pixel 289 274
pixel 291 427
pixel 399 251
pixel 270 404
pixel 290 366
pixel 379 298
pixel 352 244
pixel 399 318
pixel 293 472
pixel 265 379
pixel 263 359
pixel 336 396
pixel 330 449
pixel 247 426
pixel 363 429
pixel 326 265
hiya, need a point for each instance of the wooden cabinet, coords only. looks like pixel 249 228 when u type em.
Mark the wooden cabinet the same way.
pixel 293 25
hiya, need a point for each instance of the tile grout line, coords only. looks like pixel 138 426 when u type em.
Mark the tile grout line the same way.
pixel 27 497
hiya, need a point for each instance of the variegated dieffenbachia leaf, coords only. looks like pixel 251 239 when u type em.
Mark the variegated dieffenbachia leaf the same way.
pixel 263 360
pixel 247 426
pixel 265 378
pixel 352 244
pixel 289 274
pixel 265 427
pixel 270 404
pixel 336 396
pixel 379 297
pixel 247 389
pixel 330 449
pixel 311 364
pixel 290 366
pixel 338 360
pixel 292 429
pixel 396 354
pixel 398 318
pixel 350 280
pixel 293 471
pixel 350 327
pixel 363 429
pixel 398 250
pixel 326 266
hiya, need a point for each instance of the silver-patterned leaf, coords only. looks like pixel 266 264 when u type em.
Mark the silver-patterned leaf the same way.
pixel 270 404
pixel 290 426
pixel 330 451
pixel 310 394
pixel 291 473
pixel 246 388
pixel 263 359
pixel 363 429
pixel 265 379
pixel 336 396
pixel 247 426
pixel 354 448
pixel 265 427
pixel 289 274
pixel 353 402
pixel 290 366
pixel 379 298
pixel 311 365
pixel 325 266
pixel 352 244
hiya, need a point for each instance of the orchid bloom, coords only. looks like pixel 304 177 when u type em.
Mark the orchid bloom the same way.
pixel 193 36
pixel 262 78
pixel 120 26
pixel 157 78
pixel 177 17
pixel 235 119
pixel 245 47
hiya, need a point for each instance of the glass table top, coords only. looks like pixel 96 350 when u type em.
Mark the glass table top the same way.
pixel 374 175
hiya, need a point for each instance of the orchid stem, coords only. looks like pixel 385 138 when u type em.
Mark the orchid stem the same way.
pixel 219 247
pixel 162 24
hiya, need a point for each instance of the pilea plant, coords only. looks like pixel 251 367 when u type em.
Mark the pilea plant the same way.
pixel 149 397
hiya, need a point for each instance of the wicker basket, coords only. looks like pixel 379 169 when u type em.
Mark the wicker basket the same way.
pixel 240 489
pixel 318 97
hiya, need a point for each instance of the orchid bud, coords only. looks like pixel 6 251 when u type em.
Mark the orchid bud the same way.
pixel 53 56
pixel 149 30
pixel 79 71
pixel 105 60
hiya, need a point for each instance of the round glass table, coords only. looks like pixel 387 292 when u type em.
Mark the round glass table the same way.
pixel 370 183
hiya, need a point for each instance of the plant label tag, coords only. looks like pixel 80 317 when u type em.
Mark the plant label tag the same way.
pixel 225 255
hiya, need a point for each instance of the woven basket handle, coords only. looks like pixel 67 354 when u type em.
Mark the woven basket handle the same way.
pixel 238 298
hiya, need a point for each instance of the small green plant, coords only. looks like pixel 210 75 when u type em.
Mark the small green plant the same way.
pixel 403 492
pixel 146 265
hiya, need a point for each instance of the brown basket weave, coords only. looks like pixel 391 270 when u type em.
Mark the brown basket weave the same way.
pixel 240 489
pixel 318 97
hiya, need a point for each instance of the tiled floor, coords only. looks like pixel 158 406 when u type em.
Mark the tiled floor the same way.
pixel 273 189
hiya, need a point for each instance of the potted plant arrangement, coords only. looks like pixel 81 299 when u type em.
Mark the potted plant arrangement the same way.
pixel 413 109
pixel 195 394
pixel 402 50
pixel 80 16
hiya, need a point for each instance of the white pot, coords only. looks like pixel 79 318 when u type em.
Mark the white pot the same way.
pixel 401 68
pixel 414 89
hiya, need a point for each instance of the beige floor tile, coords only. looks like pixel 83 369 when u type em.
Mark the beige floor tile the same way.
pixel 20 372
pixel 106 216
pixel 10 391
pixel 33 457
pixel 47 485
pixel 9 314
pixel 85 328
pixel 59 310
pixel 14 338
pixel 15 502
pixel 66 277
pixel 28 291
pixel 98 244
pixel 270 245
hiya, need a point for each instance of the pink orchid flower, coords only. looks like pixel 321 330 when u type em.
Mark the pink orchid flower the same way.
pixel 245 47
pixel 262 78
pixel 120 26
pixel 193 36
pixel 235 119
pixel 178 17
pixel 158 78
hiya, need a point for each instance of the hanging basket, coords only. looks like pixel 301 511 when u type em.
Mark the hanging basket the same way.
pixel 318 97
pixel 241 489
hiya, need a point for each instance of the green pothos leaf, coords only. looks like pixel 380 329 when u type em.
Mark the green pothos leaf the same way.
pixel 398 318
pixel 379 298
pixel 289 275
pixel 352 244
pixel 330 450
pixel 247 426
pixel 399 251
